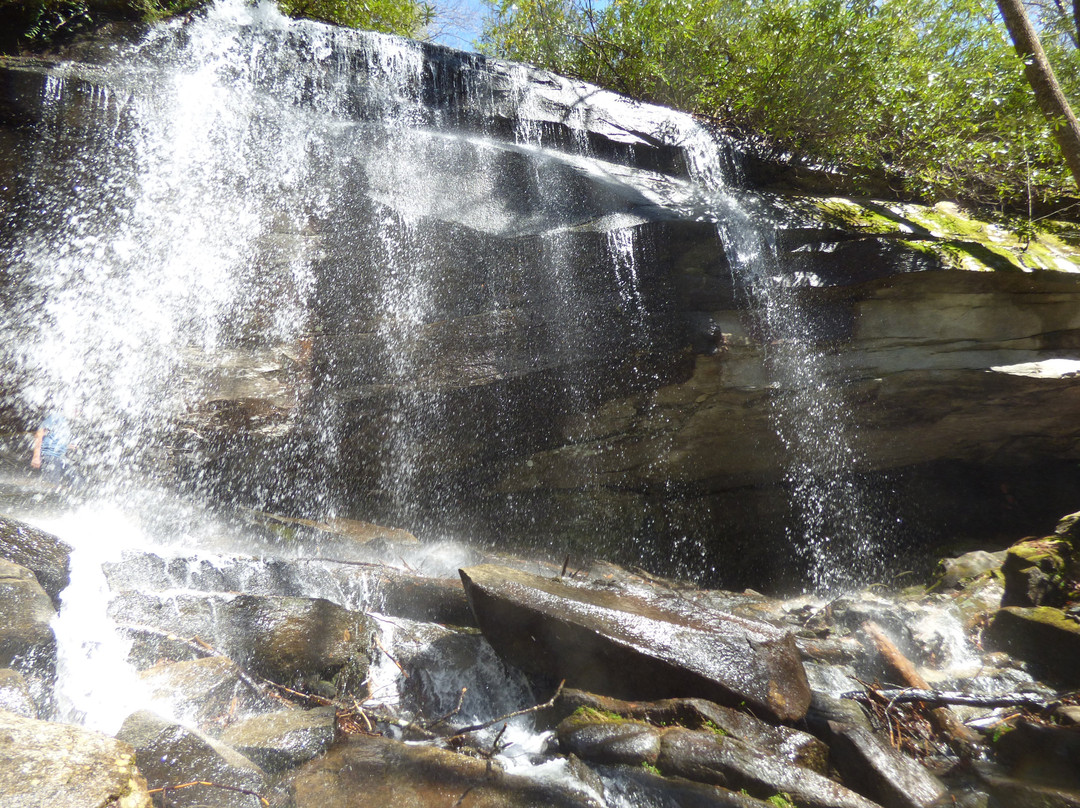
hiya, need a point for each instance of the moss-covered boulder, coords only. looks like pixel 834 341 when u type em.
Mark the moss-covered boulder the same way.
pixel 1040 572
pixel 1045 637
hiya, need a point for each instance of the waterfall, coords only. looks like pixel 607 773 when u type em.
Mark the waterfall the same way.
pixel 318 270
pixel 834 527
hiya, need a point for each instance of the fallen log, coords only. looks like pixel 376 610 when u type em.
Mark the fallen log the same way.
pixel 908 695
pixel 960 736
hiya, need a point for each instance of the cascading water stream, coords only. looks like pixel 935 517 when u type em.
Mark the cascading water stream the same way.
pixel 834 527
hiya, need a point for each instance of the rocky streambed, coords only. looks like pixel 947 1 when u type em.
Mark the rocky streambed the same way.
pixel 342 664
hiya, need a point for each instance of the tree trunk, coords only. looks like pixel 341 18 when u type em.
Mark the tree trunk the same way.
pixel 1076 20
pixel 1040 75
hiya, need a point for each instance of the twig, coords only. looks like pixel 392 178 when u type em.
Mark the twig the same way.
pixel 164 790
pixel 495 743
pixel 455 711
pixel 534 709
pixel 381 647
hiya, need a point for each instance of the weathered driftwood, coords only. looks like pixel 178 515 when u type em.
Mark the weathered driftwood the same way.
pixel 942 717
pixel 942 697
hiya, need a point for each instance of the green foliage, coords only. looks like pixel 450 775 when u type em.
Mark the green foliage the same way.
pixel 1000 731
pixel 781 800
pixel 719 732
pixel 403 17
pixel 586 713
pixel 40 23
pixel 650 768
pixel 927 91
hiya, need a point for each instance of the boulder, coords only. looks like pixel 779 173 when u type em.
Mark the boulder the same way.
pixel 708 756
pixel 1037 572
pixel 1046 754
pixel 27 642
pixel 209 692
pixel 45 554
pixel 171 755
pixel 783 742
pixel 1010 792
pixel 441 661
pixel 628 647
pixel 417 597
pixel 954 572
pixel 728 762
pixel 879 771
pixel 283 739
pixel 292 641
pixel 392 773
pixel 57 765
pixel 1068 527
pixel 15 696
pixel 1043 636
pixel 605 740
pixel 634 784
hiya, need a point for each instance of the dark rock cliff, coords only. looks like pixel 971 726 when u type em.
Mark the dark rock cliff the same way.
pixel 557 386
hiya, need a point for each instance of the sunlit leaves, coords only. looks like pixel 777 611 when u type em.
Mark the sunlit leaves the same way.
pixel 929 91
pixel 404 17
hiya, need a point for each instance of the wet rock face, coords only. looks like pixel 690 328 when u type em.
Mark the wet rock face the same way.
pixel 631 648
pixel 290 641
pixel 389 772
pixel 56 764
pixel 568 407
pixel 171 755
pixel 46 555
pixel 27 643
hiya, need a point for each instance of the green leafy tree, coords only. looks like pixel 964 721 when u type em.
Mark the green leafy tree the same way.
pixel 928 94
pixel 404 17
pixel 38 23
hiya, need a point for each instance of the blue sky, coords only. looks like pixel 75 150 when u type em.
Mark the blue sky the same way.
pixel 459 22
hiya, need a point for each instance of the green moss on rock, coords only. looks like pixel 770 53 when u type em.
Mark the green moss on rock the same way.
pixel 960 238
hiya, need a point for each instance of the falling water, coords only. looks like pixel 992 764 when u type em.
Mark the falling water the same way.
pixel 281 195
pixel 834 527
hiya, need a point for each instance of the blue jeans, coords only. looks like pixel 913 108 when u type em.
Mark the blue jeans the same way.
pixel 57 471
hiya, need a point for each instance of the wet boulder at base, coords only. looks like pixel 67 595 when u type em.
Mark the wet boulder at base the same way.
pixel 47 764
pixel 875 768
pixel 291 641
pixel 15 694
pixel 638 783
pixel 207 692
pixel 169 754
pixel 1043 636
pixel 1039 572
pixel 392 773
pixel 784 742
pixel 629 647
pixel 707 758
pixel 284 738
pixel 704 756
pixel 47 556
pixel 27 642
